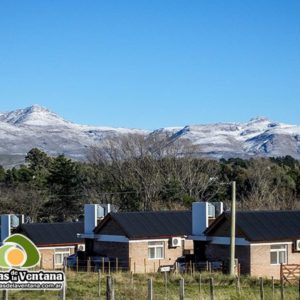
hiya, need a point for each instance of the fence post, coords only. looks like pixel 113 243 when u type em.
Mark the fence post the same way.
pixel 64 264
pixel 131 278
pixel 117 264
pixel 41 261
pixel 281 289
pixel 166 284
pixel 99 284
pixel 134 268
pixel 211 288
pixel 206 266
pixel 273 288
pixel 238 285
pixel 103 266
pixel 5 294
pixel 181 297
pixel 89 264
pixel 150 289
pixel 109 267
pixel 129 265
pixel 261 288
pixel 108 288
pixel 200 286
pixel 63 290
pixel 299 288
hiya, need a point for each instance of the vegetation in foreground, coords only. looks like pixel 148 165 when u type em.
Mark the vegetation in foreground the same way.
pixel 134 177
pixel 86 285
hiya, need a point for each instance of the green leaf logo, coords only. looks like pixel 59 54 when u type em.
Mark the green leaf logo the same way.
pixel 18 252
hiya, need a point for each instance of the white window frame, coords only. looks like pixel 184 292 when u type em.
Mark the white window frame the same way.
pixel 277 251
pixel 155 245
pixel 63 253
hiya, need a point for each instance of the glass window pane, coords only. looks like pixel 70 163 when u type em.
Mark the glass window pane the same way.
pixel 274 258
pixel 159 252
pixel 151 252
pixel 278 247
pixel 282 257
pixel 58 259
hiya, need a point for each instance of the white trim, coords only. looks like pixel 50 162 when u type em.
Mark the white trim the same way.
pixel 111 238
pixel 150 240
pixel 270 244
pixel 61 253
pixel 220 240
pixel 60 247
pixel 86 235
pixel 198 237
pixel 277 251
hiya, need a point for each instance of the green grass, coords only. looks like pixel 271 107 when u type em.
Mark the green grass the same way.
pixel 85 286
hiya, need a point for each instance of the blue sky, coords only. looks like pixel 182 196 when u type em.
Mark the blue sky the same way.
pixel 151 64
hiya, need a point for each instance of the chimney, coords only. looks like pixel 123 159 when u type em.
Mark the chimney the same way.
pixel 90 217
pixel 8 224
pixel 202 212
pixel 199 217
pixel 93 213
pixel 5 227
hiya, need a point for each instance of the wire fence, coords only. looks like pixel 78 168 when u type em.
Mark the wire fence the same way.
pixel 165 286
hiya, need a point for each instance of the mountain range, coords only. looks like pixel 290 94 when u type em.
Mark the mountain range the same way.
pixel 36 126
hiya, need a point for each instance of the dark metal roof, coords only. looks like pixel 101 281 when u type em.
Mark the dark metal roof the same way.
pixel 53 233
pixel 154 224
pixel 267 225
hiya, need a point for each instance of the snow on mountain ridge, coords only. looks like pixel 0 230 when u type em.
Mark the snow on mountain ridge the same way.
pixel 36 126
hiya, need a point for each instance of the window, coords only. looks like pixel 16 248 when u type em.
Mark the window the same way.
pixel 60 255
pixel 155 250
pixel 278 254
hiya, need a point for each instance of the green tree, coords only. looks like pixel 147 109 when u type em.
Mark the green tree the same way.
pixel 66 188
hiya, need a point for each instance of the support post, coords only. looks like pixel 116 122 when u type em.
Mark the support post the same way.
pixel 181 297
pixel 150 289
pixel 5 294
pixel 108 288
pixel 77 264
pixel 211 288
pixel 99 284
pixel 261 288
pixel 232 233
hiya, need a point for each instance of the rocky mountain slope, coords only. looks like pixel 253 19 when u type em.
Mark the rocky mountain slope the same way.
pixel 36 126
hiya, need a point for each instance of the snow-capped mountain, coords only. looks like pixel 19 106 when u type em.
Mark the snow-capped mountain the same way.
pixel 36 126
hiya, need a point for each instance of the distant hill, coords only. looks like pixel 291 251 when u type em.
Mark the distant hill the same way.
pixel 36 126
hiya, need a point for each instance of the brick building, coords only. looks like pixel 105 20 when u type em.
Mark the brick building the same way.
pixel 54 241
pixel 142 241
pixel 264 240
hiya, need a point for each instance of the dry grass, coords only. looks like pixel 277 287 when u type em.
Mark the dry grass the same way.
pixel 85 286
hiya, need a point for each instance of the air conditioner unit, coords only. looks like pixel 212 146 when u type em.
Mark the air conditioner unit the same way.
pixel 81 248
pixel 297 245
pixel 176 242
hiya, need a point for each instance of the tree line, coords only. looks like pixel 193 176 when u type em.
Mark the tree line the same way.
pixel 137 174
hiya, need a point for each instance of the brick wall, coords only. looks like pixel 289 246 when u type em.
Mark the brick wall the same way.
pixel 140 263
pixel 47 257
pixel 261 261
pixel 136 254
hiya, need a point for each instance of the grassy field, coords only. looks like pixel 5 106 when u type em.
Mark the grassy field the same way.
pixel 85 286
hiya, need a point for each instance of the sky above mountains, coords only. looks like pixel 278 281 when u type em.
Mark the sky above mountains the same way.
pixel 150 64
